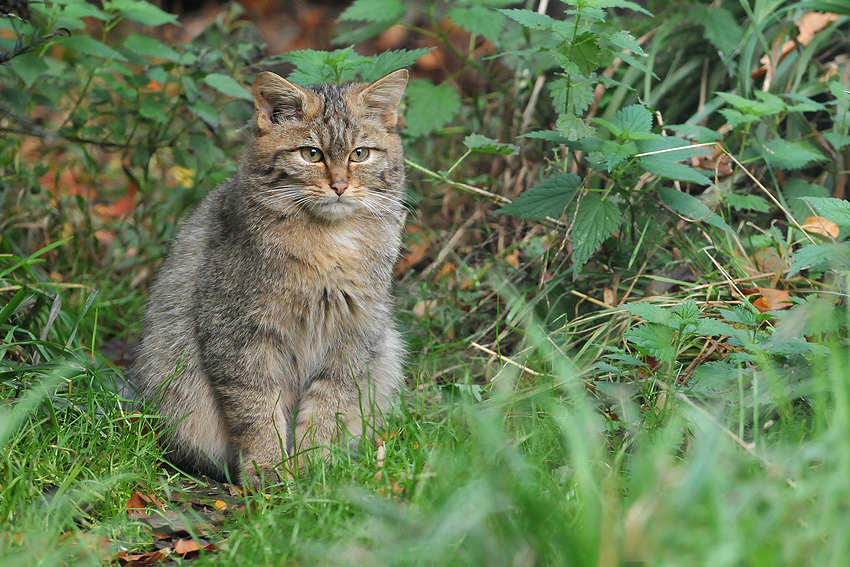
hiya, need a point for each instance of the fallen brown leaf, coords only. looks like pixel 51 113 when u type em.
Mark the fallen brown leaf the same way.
pixel 820 225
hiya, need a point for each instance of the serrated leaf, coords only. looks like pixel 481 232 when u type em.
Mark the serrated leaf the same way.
pixel 625 40
pixel 665 152
pixel 713 327
pixel 480 20
pixel 616 153
pixel 803 104
pixel 585 52
pixel 150 47
pixel 836 210
pixel 225 84
pixel 735 118
pixel 429 107
pixel 650 312
pixel 748 202
pixel 548 135
pixel 790 155
pixel 483 144
pixel 550 198
pixel 633 119
pixel 691 208
pixel 142 12
pixel 794 189
pixel 90 46
pixel 595 220
pixel 573 128
pixel 656 340
pixel 389 61
pixel 531 20
pixel 830 255
pixel 666 169
pixel 381 11
pixel 758 108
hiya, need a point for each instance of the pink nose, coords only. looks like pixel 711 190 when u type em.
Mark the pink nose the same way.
pixel 339 186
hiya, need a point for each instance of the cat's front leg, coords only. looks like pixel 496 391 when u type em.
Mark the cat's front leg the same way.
pixel 258 427
pixel 345 401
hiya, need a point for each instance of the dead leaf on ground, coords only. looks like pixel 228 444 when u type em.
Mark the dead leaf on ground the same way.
pixel 772 299
pixel 820 225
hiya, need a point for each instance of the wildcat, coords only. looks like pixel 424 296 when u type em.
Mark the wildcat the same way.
pixel 269 329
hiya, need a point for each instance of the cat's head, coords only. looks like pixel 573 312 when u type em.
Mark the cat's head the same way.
pixel 330 150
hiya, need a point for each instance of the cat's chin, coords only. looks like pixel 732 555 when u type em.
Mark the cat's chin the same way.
pixel 334 210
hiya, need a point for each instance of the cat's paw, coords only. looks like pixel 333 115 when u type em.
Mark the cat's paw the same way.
pixel 261 477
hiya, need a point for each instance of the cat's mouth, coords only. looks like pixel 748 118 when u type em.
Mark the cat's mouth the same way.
pixel 334 207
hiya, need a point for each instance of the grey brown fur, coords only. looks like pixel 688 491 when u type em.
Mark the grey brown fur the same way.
pixel 274 306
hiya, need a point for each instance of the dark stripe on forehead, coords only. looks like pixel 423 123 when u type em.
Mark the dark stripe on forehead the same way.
pixel 339 127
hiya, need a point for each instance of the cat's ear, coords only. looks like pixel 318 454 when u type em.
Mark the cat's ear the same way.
pixel 277 100
pixel 381 98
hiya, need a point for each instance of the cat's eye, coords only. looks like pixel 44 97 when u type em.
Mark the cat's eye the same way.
pixel 359 154
pixel 313 155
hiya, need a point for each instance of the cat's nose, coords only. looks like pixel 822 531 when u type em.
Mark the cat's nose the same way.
pixel 339 186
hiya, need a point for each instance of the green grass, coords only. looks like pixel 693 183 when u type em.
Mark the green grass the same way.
pixel 604 431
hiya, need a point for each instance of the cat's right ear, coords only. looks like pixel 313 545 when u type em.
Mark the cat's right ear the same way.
pixel 278 100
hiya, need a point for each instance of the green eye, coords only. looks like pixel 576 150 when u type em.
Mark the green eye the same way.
pixel 313 155
pixel 359 154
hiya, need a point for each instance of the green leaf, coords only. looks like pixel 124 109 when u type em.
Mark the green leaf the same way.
pixel 225 84
pixel 531 20
pixel 15 99
pixel 485 145
pixel 836 210
pixel 380 11
pixel 150 47
pixel 753 107
pixel 836 140
pixel 625 40
pixel 632 119
pixel 721 28
pixel 794 189
pixel 28 67
pixel 713 327
pixel 429 106
pixel 665 153
pixel 90 46
pixel 656 340
pixel 616 153
pixel 790 155
pixel 595 220
pixel 389 61
pixel 691 208
pixel 830 255
pixel 585 52
pixel 735 118
pixel 650 312
pixel 804 104
pixel 480 20
pixel 550 198
pixel 151 107
pixel 748 203
pixel 572 127
pixel 142 12
pixel 699 134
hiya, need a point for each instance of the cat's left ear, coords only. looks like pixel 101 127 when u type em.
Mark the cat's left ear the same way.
pixel 382 97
